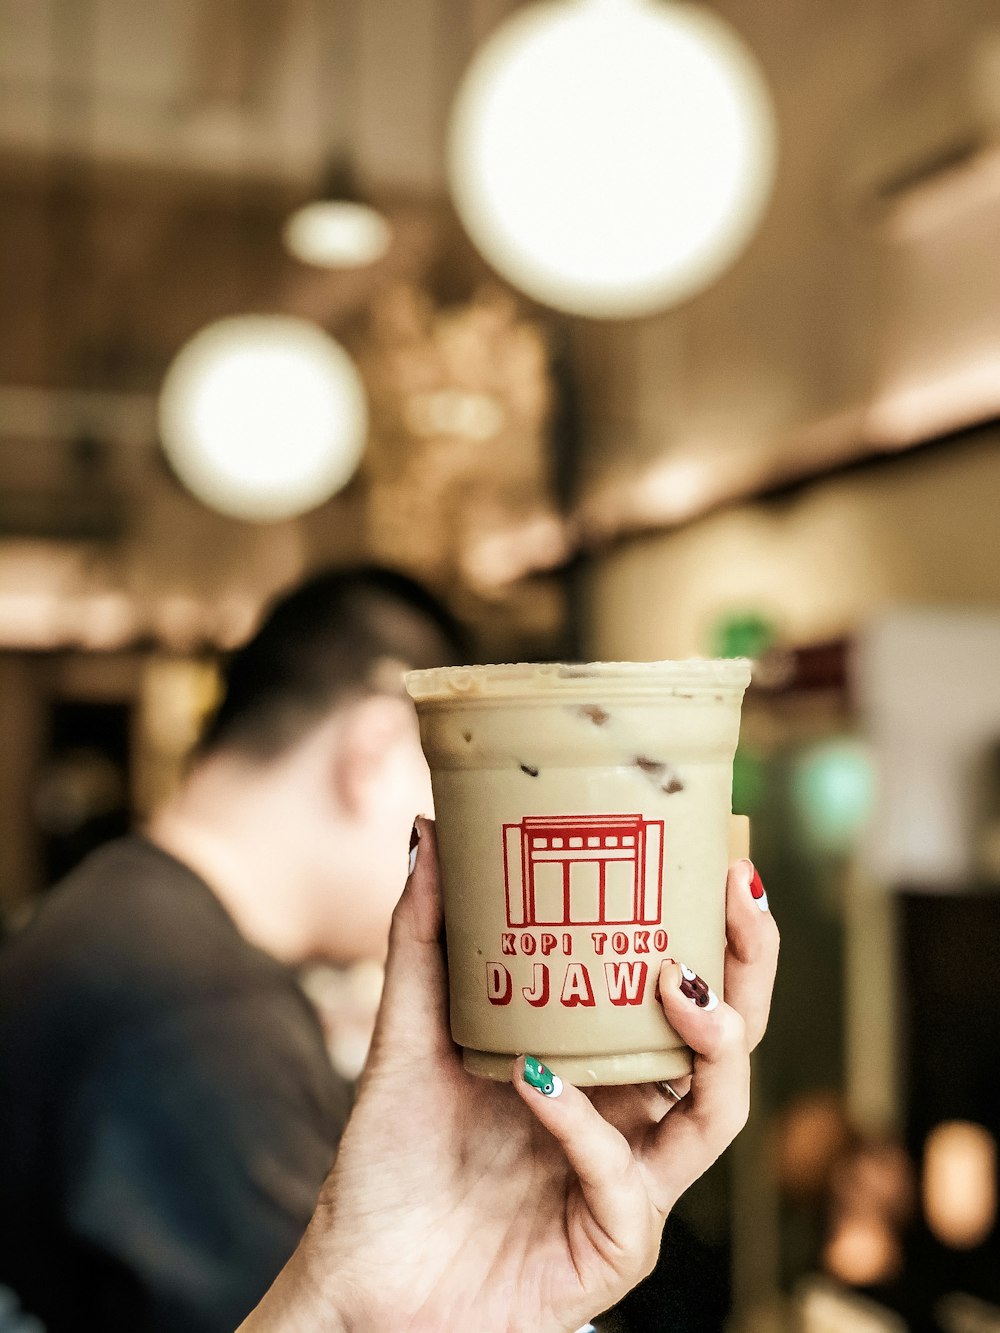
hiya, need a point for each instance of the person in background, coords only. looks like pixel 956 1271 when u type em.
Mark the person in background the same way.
pixel 459 1205
pixel 169 1111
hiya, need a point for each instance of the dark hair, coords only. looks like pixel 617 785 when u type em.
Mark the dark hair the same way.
pixel 339 636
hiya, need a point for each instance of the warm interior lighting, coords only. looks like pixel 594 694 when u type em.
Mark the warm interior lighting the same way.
pixel 32 619
pixel 263 416
pixel 176 697
pixel 863 1251
pixel 455 412
pixel 823 1307
pixel 871 1198
pixel 941 400
pixel 959 1186
pixel 107 619
pixel 666 492
pixel 496 560
pixel 811 1134
pixel 337 233
pixel 611 157
pixel 943 197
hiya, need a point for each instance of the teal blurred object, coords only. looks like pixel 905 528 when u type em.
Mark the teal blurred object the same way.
pixel 743 634
pixel 833 793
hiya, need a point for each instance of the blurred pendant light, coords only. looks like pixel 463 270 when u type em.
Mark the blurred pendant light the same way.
pixel 263 416
pixel 337 229
pixel 612 157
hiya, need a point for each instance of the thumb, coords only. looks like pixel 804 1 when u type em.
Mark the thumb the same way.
pixel 413 1016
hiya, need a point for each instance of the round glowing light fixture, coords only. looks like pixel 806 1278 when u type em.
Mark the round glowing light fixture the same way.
pixel 263 416
pixel 337 233
pixel 612 157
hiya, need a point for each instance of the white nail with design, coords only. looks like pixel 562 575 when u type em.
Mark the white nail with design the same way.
pixel 697 991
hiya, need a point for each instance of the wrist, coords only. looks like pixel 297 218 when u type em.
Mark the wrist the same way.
pixel 299 1301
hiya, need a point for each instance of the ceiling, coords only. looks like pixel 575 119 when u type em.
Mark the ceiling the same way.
pixel 149 152
pixel 865 315
pixel 263 88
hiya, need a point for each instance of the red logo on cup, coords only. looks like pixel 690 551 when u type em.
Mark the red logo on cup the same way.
pixel 583 870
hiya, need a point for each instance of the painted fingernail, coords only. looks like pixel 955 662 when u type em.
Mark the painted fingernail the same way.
pixel 697 991
pixel 757 891
pixel 414 843
pixel 541 1077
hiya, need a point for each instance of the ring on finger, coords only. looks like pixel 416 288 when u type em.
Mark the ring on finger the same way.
pixel 669 1090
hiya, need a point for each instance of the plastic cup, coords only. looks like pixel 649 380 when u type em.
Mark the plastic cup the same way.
pixel 584 825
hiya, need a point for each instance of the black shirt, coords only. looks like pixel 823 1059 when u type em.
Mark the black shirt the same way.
pixel 167 1108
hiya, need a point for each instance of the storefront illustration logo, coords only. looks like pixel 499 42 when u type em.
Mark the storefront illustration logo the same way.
pixel 583 870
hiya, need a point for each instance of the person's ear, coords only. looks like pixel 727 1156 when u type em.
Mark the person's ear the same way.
pixel 369 738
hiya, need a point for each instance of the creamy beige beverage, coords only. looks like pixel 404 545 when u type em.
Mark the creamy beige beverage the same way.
pixel 583 820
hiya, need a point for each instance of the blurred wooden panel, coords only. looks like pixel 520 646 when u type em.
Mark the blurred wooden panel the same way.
pixel 20 745
pixel 103 274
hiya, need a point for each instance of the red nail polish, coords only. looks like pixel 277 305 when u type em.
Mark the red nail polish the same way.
pixel 757 892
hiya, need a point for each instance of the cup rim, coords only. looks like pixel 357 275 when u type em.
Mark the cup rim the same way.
pixel 524 679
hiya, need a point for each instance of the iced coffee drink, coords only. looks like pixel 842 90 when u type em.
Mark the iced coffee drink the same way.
pixel 583 821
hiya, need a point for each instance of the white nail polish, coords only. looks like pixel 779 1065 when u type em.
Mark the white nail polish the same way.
pixel 413 859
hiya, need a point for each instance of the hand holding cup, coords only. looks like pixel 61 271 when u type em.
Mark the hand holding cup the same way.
pixel 461 1203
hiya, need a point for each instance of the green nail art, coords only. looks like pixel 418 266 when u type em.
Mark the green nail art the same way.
pixel 541 1077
